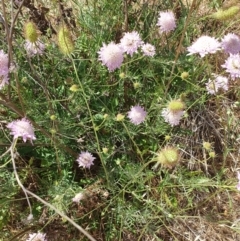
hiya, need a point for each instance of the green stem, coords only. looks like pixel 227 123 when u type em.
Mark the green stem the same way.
pixel 91 117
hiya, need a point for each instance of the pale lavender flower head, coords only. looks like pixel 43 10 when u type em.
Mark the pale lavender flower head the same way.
pixel 220 82
pixel 232 65
pixel 137 114
pixel 231 43
pixel 204 45
pixel 34 48
pixel 130 42
pixel 78 197
pixel 37 237
pixel 238 177
pixel 85 159
pixel 172 117
pixel 148 50
pixel 4 70
pixel 22 128
pixel 166 21
pixel 111 56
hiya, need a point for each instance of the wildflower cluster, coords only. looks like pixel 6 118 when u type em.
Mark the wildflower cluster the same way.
pixel 112 54
pixel 230 44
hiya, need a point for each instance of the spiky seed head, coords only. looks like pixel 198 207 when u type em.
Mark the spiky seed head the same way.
pixel 31 32
pixel 226 14
pixel 169 156
pixel 176 105
pixel 207 145
pixel 65 42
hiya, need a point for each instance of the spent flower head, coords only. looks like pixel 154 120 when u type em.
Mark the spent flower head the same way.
pixel 204 45
pixel 231 43
pixel 130 42
pixel 148 50
pixel 22 128
pixel 166 21
pixel 168 156
pixel 174 112
pixel 137 114
pixel 37 237
pixel 232 65
pixel 111 55
pixel 85 159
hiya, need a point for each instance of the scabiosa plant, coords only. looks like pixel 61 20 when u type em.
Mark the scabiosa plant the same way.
pixel 166 21
pixel 22 128
pixel 232 65
pixel 231 43
pixel 148 50
pixel 32 45
pixel 204 45
pixel 174 112
pixel 220 82
pixel 111 55
pixel 130 42
pixel 37 237
pixel 85 159
pixel 4 70
pixel 137 114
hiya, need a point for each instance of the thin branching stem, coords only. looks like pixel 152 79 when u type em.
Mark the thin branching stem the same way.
pixel 83 231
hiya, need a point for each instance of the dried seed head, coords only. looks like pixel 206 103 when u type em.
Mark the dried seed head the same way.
pixel 176 105
pixel 31 32
pixel 65 42
pixel 168 156
pixel 226 14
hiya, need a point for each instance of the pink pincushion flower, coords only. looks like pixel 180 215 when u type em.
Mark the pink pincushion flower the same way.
pixel 232 65
pixel 166 21
pixel 37 237
pixel 130 42
pixel 111 55
pixel 220 82
pixel 231 43
pixel 238 185
pixel 22 128
pixel 148 50
pixel 4 70
pixel 204 45
pixel 172 117
pixel 34 48
pixel 85 159
pixel 137 114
